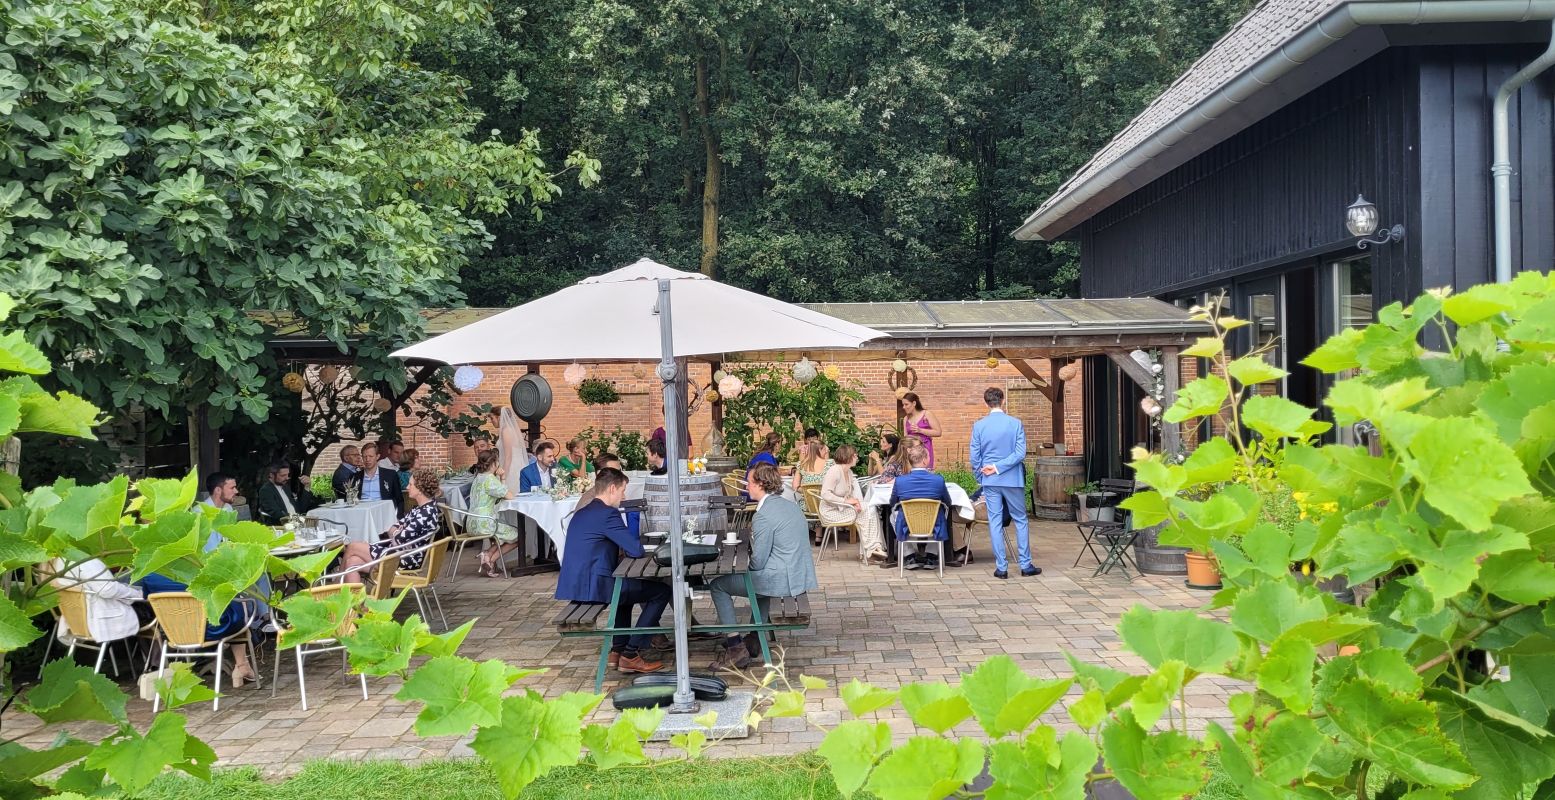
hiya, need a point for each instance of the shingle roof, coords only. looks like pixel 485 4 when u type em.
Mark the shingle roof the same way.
pixel 1268 26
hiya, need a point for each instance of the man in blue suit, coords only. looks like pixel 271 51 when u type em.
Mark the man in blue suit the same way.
pixel 589 560
pixel 999 461
pixel 538 474
pixel 921 484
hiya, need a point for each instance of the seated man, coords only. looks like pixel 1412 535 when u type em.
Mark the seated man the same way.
pixel 918 484
pixel 781 564
pixel 349 472
pixel 593 537
pixel 378 483
pixel 656 457
pixel 276 501
pixel 538 474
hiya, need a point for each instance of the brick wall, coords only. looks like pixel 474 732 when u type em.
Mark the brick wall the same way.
pixel 953 390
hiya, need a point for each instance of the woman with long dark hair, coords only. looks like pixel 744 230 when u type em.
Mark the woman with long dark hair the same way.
pixel 919 423
pixel 887 462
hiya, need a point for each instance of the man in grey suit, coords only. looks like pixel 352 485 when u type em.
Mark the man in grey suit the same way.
pixel 781 564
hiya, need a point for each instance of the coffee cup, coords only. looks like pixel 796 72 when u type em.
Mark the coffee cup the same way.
pixel 731 538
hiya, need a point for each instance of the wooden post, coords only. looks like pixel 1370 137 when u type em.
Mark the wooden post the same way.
pixel 718 406
pixel 1171 372
pixel 1056 400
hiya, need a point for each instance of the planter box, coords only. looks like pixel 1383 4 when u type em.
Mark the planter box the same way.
pixel 1155 558
pixel 1097 507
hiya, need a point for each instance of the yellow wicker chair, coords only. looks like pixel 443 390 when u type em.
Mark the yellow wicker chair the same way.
pixel 732 485
pixel 425 578
pixel 317 646
pixel 72 608
pixel 380 582
pixel 181 618
pixel 810 497
pixel 920 516
pixel 457 522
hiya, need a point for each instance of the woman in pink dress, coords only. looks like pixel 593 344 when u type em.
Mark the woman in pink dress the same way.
pixel 919 423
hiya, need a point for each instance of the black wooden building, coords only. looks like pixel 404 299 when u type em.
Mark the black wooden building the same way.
pixel 1238 177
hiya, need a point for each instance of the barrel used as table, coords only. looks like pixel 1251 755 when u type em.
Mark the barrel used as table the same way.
pixel 1055 476
pixel 694 493
pixel 1155 558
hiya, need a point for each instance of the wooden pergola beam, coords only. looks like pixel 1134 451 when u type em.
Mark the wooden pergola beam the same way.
pixel 1134 370
pixel 1030 373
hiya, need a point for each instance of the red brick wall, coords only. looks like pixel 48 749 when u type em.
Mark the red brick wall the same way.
pixel 953 390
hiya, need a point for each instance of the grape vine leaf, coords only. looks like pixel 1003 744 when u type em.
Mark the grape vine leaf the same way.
pixel 1237 762
pixel 1202 397
pixel 1506 757
pixel 1203 645
pixel 382 646
pixel 1006 700
pixel 1273 607
pixel 457 694
pixel 69 692
pixel 927 768
pixel 1278 418
pixel 1518 576
pixel 533 738
pixel 1041 767
pixel 851 750
pixel 133 760
pixel 1399 731
pixel 1286 672
pixel 862 698
pixel 935 705
pixel 1159 765
pixel 1156 694
pixel 1252 370
pixel 228 571
pixel 1466 471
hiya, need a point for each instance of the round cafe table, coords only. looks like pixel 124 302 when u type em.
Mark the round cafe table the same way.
pixel 363 521
pixel 548 515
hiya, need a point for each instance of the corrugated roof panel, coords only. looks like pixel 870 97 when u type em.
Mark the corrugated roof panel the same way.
pixel 876 315
pixel 997 313
pixel 1119 311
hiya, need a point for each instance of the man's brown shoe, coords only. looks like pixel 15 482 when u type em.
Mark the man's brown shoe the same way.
pixel 732 657
pixel 613 659
pixel 639 663
pixel 753 645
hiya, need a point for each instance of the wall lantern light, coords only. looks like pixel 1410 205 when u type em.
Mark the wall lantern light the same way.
pixel 1361 219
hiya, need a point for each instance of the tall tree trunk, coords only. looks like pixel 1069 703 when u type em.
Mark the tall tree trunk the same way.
pixel 711 171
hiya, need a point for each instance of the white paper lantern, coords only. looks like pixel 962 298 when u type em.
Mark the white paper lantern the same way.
pixel 575 374
pixel 1069 372
pixel 718 377
pixel 1150 406
pixel 804 371
pixel 730 387
pixel 900 365
pixel 468 377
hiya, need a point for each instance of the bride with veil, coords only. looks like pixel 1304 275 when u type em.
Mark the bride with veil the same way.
pixel 512 448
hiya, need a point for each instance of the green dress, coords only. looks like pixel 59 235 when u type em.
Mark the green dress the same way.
pixel 485 493
pixel 568 465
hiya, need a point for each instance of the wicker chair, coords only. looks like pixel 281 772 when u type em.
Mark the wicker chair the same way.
pixel 810 497
pixel 732 485
pixel 180 616
pixel 920 516
pixel 327 645
pixel 72 608
pixel 426 578
pixel 457 522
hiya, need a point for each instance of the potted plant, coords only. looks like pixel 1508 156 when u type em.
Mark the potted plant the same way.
pixel 598 392
pixel 1092 504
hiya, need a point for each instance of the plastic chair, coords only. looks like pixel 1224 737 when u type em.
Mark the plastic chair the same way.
pixel 920 516
pixel 328 645
pixel 181 618
pixel 425 578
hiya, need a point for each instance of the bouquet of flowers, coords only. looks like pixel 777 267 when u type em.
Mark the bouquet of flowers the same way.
pixel 564 484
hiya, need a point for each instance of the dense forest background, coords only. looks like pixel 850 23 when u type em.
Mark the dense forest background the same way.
pixel 854 150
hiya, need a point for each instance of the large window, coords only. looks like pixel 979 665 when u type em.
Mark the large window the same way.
pixel 1351 306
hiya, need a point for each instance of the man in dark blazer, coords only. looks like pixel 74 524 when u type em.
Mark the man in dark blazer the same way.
pixel 538 474
pixel 593 537
pixel 378 483
pixel 348 473
pixel 276 501
pixel 921 484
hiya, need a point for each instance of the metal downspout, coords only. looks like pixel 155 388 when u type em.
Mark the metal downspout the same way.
pixel 1501 167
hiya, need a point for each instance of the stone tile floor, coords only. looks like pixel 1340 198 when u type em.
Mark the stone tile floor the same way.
pixel 868 623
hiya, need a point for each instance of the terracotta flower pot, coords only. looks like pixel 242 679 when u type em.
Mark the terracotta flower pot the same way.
pixel 1203 572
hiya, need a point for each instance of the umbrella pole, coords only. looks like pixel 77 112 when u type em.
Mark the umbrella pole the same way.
pixel 685 700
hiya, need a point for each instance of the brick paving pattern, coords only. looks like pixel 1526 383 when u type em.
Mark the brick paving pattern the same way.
pixel 868 624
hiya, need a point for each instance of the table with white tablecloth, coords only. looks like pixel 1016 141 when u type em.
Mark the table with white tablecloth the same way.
pixel 547 514
pixel 456 491
pixel 880 495
pixel 363 522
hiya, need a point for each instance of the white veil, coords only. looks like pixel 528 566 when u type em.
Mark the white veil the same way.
pixel 512 449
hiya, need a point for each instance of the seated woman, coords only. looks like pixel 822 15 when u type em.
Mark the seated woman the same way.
pixel 416 529
pixel 814 462
pixel 232 620
pixel 766 455
pixel 576 463
pixel 888 461
pixel 408 461
pixel 488 490
pixel 114 609
pixel 842 505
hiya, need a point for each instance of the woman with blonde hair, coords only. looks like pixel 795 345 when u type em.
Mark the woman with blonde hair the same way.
pixel 814 461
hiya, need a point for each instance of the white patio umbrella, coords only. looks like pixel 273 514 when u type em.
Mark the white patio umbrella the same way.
pixel 625 316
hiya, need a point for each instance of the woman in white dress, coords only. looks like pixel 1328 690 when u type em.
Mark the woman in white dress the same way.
pixel 512 447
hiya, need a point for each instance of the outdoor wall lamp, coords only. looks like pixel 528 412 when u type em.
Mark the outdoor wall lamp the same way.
pixel 1361 219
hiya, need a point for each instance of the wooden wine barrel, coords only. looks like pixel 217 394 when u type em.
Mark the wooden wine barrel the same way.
pixel 694 493
pixel 1055 476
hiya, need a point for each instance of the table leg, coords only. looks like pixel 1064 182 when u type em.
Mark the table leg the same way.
pixel 604 647
pixel 750 595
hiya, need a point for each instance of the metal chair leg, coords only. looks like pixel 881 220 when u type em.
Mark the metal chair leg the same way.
pixel 98 666
pixel 302 683
pixel 221 648
pixel 156 700
pixel 439 601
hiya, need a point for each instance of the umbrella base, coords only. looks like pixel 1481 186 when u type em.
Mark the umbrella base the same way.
pixel 732 713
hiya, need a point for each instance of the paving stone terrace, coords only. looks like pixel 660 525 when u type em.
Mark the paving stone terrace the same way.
pixel 868 623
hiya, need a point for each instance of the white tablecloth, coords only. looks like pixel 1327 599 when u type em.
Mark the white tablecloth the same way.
pixel 880 494
pixel 363 521
pixel 546 513
pixel 456 492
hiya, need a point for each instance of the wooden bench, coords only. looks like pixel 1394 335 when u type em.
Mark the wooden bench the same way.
pixel 579 618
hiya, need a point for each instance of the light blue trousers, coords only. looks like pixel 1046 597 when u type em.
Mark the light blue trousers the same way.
pixel 1014 498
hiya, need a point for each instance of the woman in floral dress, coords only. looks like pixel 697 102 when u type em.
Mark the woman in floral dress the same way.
pixel 486 492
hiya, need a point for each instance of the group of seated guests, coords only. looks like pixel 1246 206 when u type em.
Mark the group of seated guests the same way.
pixel 781 566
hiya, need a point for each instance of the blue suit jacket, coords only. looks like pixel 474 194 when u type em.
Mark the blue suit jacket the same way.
pixel 529 477
pixel 999 440
pixel 917 485
pixel 593 537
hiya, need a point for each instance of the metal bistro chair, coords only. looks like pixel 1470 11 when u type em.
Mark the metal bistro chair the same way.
pixel 327 645
pixel 834 532
pixel 457 522
pixel 1090 530
pixel 72 608
pixel 920 516
pixel 181 618
pixel 731 507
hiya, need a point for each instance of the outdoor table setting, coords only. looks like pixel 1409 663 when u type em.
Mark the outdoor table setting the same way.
pixel 456 489
pixel 310 540
pixel 880 495
pixel 363 521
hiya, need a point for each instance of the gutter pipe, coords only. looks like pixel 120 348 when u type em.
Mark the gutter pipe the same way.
pixel 1501 167
pixel 1341 22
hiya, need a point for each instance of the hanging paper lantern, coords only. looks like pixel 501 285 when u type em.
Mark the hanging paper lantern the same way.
pixel 901 391
pixel 381 405
pixel 719 376
pixel 575 374
pixel 638 372
pixel 329 374
pixel 833 371
pixel 993 363
pixel 292 381
pixel 900 365
pixel 1150 406
pixel 804 371
pixel 1069 372
pixel 730 387
pixel 468 377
